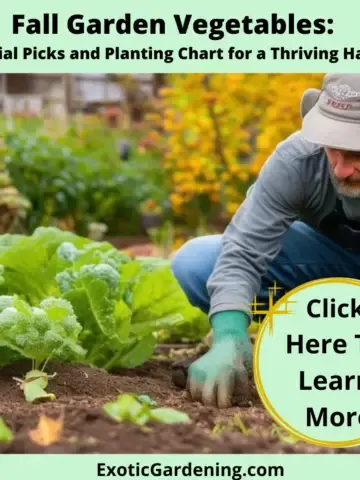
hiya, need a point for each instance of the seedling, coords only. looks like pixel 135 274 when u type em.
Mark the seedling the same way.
pixel 34 385
pixel 6 434
pixel 235 423
pixel 128 408
pixel 282 436
pixel 147 400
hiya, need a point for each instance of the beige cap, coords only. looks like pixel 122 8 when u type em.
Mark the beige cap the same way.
pixel 331 116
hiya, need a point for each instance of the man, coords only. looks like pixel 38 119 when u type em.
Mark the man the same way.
pixel 298 223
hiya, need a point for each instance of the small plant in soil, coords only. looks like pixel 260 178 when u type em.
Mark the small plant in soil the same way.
pixel 128 408
pixel 146 399
pixel 34 385
pixel 6 434
pixel 282 436
pixel 233 424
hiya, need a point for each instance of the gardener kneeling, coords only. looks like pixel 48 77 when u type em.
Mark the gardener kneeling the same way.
pixel 298 223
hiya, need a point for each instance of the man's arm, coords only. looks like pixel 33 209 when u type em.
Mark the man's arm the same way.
pixel 252 239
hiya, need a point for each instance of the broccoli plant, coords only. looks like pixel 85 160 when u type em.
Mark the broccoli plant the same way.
pixel 49 331
pixel 69 298
pixel 40 333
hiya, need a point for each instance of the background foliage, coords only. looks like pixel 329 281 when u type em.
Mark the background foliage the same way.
pixel 73 176
pixel 216 131
pixel 191 160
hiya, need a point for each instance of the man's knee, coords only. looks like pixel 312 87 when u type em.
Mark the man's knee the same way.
pixel 195 260
pixel 184 262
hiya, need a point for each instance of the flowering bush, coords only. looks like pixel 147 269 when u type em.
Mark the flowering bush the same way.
pixel 281 117
pixel 216 131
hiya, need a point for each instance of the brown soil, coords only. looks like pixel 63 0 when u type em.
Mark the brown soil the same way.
pixel 134 246
pixel 81 391
pixel 122 242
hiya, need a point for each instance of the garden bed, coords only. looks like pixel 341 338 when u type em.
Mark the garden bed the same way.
pixel 67 303
pixel 81 392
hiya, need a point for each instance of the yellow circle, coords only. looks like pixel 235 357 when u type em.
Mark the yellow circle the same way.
pixel 257 377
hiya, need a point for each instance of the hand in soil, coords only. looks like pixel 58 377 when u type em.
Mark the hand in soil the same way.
pixel 180 370
pixel 222 373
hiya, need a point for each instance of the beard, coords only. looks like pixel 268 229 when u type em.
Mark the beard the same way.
pixel 348 188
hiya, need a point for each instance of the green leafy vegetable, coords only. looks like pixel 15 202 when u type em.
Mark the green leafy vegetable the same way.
pixel 38 333
pixel 121 305
pixel 28 265
pixel 129 408
pixel 66 297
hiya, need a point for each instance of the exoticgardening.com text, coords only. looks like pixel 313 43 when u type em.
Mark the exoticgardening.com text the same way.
pixel 234 472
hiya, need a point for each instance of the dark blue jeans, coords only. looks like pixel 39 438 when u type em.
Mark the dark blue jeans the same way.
pixel 305 255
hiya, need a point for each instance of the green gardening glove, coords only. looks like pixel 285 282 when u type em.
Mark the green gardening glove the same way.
pixel 215 377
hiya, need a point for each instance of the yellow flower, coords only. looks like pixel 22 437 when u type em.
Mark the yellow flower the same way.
pixel 176 200
pixel 232 207
pixel 235 169
pixel 187 187
pixel 244 176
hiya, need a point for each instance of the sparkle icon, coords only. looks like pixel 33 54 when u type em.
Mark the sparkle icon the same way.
pixel 270 309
